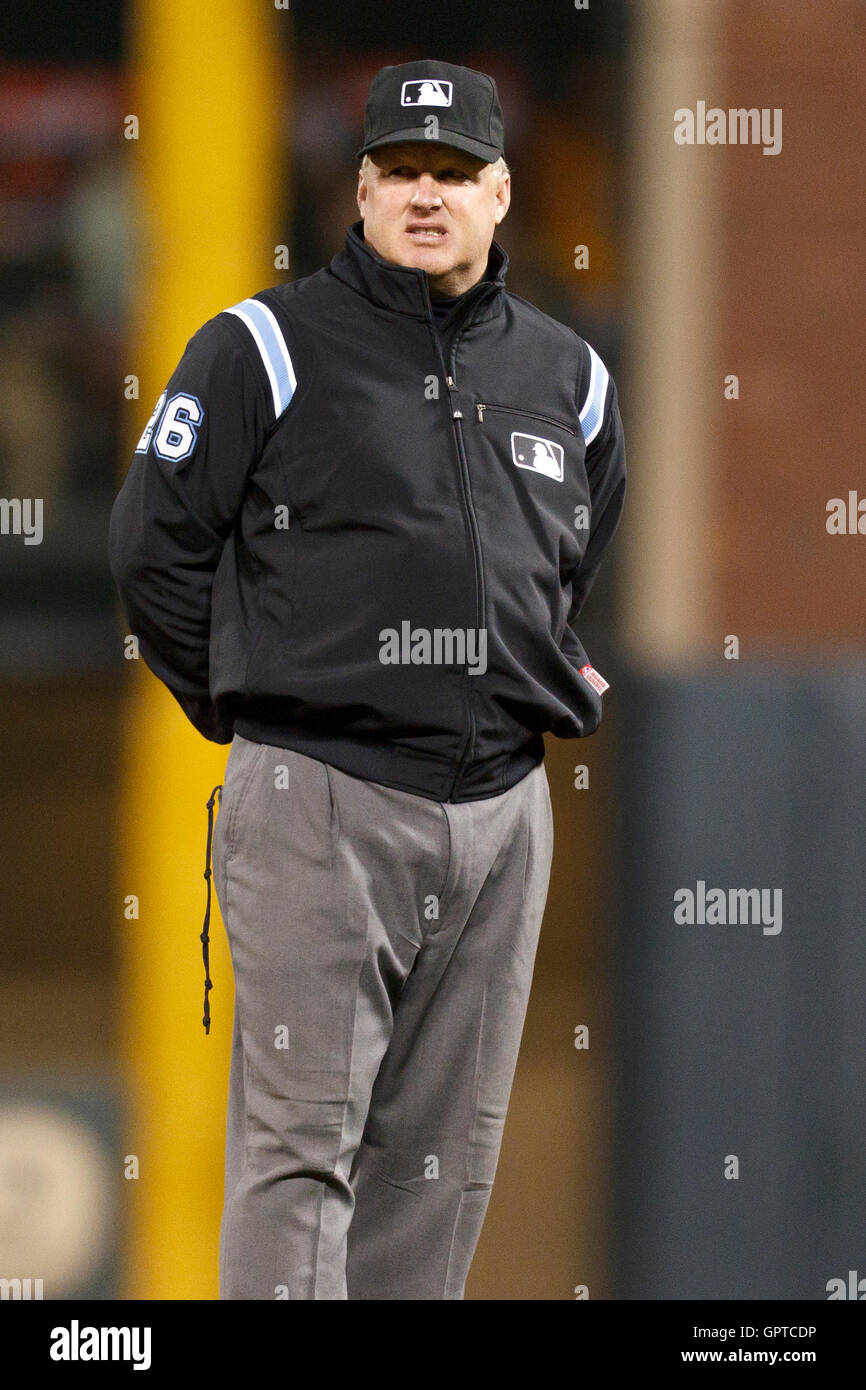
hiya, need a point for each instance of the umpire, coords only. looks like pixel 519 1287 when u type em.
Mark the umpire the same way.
pixel 353 542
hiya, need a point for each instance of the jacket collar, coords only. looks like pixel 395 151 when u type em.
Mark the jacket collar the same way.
pixel 404 289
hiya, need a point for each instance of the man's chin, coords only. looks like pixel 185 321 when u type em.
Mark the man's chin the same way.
pixel 441 264
pixel 434 259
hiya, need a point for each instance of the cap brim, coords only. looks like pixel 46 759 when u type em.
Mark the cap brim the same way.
pixel 420 135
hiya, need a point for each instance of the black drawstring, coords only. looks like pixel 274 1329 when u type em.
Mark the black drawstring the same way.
pixel 203 937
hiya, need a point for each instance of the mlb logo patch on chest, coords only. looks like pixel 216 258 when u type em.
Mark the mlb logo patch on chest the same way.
pixel 428 92
pixel 541 455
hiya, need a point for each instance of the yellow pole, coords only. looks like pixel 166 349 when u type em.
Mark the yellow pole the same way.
pixel 207 95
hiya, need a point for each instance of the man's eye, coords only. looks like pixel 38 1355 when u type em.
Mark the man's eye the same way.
pixel 402 171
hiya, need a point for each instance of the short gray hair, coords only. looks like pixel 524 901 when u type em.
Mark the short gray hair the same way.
pixel 499 165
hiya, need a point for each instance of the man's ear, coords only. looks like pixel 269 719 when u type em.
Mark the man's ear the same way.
pixel 505 194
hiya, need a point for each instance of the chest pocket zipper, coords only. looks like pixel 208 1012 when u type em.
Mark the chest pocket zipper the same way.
pixel 481 406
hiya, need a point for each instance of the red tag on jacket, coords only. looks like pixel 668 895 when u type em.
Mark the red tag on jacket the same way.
pixel 597 681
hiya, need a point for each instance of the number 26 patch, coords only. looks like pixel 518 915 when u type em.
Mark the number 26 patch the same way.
pixel 178 425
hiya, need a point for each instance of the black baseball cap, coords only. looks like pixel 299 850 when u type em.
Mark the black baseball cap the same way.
pixel 464 102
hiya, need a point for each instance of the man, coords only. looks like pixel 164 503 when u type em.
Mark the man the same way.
pixel 353 541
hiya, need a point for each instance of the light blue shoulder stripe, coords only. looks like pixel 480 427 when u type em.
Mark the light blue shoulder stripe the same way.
pixel 269 340
pixel 592 411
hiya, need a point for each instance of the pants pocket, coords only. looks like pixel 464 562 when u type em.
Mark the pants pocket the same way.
pixel 243 761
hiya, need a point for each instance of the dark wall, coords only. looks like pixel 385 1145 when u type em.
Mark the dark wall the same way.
pixel 730 1040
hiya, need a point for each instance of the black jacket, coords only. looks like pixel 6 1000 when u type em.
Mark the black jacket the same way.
pixel 355 532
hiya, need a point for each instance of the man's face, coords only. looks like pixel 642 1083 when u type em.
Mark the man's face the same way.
pixel 434 207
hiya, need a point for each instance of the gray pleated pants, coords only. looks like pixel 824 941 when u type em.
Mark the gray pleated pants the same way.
pixel 383 947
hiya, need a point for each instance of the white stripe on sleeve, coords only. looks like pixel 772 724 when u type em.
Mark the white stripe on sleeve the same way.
pixel 269 340
pixel 592 411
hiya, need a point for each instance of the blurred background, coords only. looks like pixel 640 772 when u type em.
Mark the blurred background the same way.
pixel 159 162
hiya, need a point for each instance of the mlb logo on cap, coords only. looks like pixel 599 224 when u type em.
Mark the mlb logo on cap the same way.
pixel 430 92
pixel 470 116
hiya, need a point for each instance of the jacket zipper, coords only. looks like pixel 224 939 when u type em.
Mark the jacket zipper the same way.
pixel 527 415
pixel 480 604
pixel 456 417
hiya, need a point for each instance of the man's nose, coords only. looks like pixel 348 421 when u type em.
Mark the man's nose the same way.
pixel 426 192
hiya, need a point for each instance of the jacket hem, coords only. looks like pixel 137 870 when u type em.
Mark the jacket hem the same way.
pixel 422 774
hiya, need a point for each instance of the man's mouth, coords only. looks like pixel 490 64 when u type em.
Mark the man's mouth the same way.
pixel 425 234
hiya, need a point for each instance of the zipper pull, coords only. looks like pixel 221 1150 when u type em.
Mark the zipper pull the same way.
pixel 450 380
pixel 480 408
